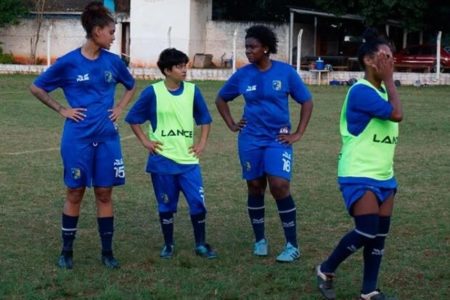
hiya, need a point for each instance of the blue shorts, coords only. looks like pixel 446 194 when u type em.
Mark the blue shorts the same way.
pixel 274 159
pixel 93 164
pixel 167 189
pixel 353 192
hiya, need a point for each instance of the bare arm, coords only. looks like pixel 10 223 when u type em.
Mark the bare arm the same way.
pixel 75 114
pixel 305 115
pixel 385 65
pixel 224 110
pixel 123 102
pixel 197 149
pixel 152 147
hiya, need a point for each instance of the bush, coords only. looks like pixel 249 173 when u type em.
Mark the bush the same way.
pixel 6 58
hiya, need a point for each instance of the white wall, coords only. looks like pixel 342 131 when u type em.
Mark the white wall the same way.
pixel 219 40
pixel 200 13
pixel 66 35
pixel 150 23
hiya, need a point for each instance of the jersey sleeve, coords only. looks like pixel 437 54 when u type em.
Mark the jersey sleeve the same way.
pixel 363 104
pixel 230 90
pixel 363 99
pixel 123 75
pixel 201 112
pixel 144 109
pixel 297 88
pixel 52 78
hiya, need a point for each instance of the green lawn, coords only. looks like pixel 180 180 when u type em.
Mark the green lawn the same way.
pixel 416 263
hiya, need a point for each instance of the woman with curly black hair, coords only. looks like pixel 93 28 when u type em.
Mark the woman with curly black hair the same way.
pixel 265 138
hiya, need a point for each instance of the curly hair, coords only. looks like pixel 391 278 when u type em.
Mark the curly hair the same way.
pixel 264 35
pixel 372 40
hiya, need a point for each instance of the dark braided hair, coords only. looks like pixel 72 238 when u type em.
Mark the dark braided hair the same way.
pixel 95 14
pixel 264 35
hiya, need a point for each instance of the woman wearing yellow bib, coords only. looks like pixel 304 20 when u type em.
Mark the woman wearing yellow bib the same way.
pixel 369 133
pixel 171 106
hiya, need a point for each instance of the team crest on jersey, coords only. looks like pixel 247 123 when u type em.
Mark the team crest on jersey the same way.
pixel 76 173
pixel 84 77
pixel 276 85
pixel 109 77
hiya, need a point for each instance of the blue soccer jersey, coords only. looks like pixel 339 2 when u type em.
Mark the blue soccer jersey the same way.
pixel 144 109
pixel 88 84
pixel 266 96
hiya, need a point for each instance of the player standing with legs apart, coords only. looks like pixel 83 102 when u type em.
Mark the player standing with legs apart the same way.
pixel 90 145
pixel 171 106
pixel 369 131
pixel 265 138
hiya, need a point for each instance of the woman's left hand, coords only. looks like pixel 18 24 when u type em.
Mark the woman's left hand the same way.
pixel 197 149
pixel 115 113
pixel 289 139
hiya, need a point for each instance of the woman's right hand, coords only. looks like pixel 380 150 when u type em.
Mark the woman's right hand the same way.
pixel 75 114
pixel 384 65
pixel 152 147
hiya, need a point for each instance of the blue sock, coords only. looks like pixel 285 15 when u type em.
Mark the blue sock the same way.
pixel 373 253
pixel 106 231
pixel 288 216
pixel 198 223
pixel 166 221
pixel 68 231
pixel 366 228
pixel 256 210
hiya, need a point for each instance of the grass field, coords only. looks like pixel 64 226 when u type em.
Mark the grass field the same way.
pixel 416 264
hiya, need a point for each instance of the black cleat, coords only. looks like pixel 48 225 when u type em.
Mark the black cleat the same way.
pixel 65 260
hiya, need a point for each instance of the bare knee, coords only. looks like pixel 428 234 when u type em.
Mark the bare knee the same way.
pixel 103 195
pixel 279 187
pixel 257 186
pixel 74 196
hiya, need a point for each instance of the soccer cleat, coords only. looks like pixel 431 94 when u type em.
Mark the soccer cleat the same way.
pixel 289 253
pixel 325 284
pixel 65 260
pixel 261 248
pixel 110 262
pixel 375 295
pixel 166 252
pixel 205 251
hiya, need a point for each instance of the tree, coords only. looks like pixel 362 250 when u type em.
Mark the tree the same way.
pixel 413 15
pixel 11 11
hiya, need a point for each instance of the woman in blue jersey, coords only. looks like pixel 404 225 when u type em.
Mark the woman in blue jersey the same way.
pixel 369 131
pixel 171 106
pixel 90 144
pixel 265 137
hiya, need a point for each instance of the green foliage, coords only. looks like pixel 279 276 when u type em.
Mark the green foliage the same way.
pixel 415 263
pixel 412 14
pixel 6 58
pixel 11 11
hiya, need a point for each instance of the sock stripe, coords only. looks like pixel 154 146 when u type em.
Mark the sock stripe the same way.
pixel 287 211
pixel 370 236
pixel 256 208
pixel 68 229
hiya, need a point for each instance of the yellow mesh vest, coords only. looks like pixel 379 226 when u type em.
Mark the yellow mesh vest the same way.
pixel 175 123
pixel 371 153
